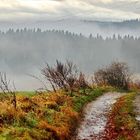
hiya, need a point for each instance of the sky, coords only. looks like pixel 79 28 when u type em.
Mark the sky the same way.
pixel 13 10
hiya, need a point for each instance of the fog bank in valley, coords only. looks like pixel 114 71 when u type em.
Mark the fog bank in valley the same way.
pixel 25 51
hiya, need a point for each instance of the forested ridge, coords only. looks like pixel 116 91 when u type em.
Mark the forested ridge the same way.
pixel 33 46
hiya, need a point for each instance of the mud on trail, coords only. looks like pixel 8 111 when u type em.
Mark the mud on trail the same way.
pixel 95 117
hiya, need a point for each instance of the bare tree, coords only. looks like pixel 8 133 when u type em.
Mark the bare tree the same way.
pixel 7 92
pixel 117 74
pixel 61 75
pixel 64 76
pixel 82 82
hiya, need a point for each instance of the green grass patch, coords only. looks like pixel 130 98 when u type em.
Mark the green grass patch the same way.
pixel 26 93
pixel 81 100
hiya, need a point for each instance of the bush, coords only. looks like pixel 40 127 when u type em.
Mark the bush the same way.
pixel 117 75
pixel 64 76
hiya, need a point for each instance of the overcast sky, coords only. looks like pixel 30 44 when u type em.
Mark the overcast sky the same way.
pixel 58 9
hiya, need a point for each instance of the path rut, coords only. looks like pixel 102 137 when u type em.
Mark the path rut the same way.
pixel 95 117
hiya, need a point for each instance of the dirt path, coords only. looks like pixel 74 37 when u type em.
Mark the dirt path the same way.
pixel 137 106
pixel 95 118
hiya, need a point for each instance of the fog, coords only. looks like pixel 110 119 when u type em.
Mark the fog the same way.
pixel 25 51
pixel 104 28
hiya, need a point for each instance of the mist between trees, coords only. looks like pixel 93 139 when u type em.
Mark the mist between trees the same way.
pixel 25 50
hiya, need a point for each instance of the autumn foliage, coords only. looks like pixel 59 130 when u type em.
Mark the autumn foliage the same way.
pixel 50 115
pixel 54 115
pixel 43 116
pixel 121 122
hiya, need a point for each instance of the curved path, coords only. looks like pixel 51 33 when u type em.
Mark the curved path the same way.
pixel 95 118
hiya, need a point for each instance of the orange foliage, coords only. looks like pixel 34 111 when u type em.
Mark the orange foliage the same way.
pixel 35 112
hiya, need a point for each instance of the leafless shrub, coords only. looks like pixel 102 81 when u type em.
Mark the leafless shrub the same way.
pixel 117 74
pixel 6 90
pixel 82 82
pixel 61 76
pixel 64 76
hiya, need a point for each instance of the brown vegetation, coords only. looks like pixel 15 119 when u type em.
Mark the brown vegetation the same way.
pixel 43 116
pixel 6 91
pixel 117 75
pixel 122 123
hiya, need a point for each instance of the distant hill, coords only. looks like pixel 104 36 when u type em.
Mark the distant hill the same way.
pixel 132 24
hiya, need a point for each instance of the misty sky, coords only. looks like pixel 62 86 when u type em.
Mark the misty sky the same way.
pixel 12 10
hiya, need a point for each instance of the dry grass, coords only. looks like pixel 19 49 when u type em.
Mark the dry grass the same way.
pixel 45 116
